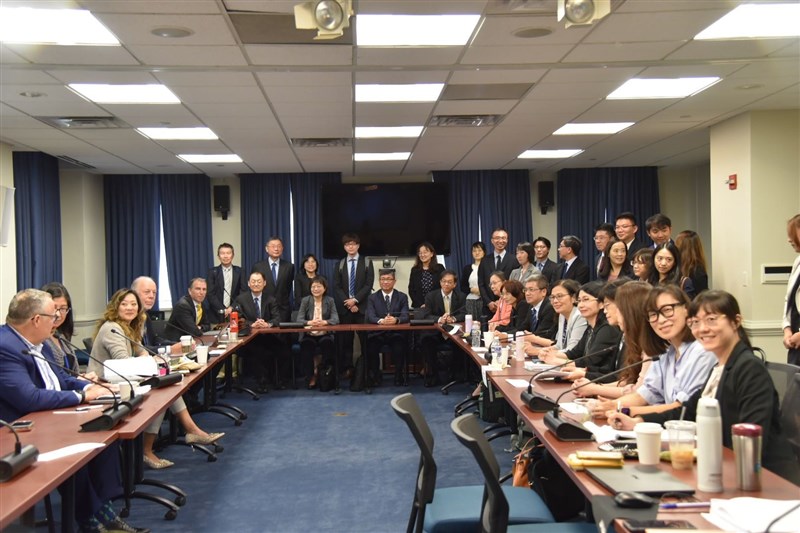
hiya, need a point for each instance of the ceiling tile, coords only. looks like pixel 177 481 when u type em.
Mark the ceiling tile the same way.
pixel 149 6
pixel 296 55
pixel 226 56
pixel 651 51
pixel 209 95
pixel 445 55
pixel 506 55
pixel 74 55
pixel 136 29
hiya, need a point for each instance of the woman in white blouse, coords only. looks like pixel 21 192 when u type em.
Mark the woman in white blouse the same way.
pixel 469 281
pixel 571 325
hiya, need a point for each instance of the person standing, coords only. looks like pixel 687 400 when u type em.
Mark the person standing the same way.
pixel 224 283
pixel 548 268
pixel 573 266
pixel 791 314
pixel 278 277
pixel 499 260
pixel 626 227
pixel 469 281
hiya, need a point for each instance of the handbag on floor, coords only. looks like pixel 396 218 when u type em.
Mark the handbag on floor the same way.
pixel 561 495
pixel 522 462
pixel 327 378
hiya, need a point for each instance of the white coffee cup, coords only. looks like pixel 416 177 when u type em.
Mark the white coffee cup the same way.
pixel 124 392
pixel 488 337
pixel 648 442
pixel 202 354
pixel 186 344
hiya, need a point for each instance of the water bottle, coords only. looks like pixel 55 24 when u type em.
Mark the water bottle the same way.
pixel 709 446
pixel 496 349
pixel 468 323
pixel 476 334
pixel 519 346
pixel 161 361
pixel 747 450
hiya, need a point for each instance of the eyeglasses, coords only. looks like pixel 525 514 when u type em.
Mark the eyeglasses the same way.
pixel 555 297
pixel 63 310
pixel 53 317
pixel 638 262
pixel 710 321
pixel 532 289
pixel 586 300
pixel 667 311
pixel 386 279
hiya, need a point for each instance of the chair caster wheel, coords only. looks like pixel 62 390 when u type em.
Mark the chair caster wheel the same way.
pixel 171 515
pixel 212 459
pixel 237 423
pixel 180 501
pixel 125 512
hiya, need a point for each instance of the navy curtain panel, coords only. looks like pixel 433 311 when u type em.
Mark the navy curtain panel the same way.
pixel 634 189
pixel 464 214
pixel 186 213
pixel 37 208
pixel 505 197
pixel 132 229
pixel 306 201
pixel 266 212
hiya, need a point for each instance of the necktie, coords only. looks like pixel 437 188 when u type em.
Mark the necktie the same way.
pixel 564 270
pixel 534 319
pixel 227 284
pixel 275 273
pixel 497 262
pixel 388 302
pixel 447 304
pixel 564 336
pixel 540 266
pixel 258 307
pixel 199 311
pixel 352 277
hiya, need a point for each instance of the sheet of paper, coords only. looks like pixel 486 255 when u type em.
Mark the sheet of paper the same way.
pixel 518 383
pixel 753 514
pixel 216 352
pixel 132 368
pixel 69 450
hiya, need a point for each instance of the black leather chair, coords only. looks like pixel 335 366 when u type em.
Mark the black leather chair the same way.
pixel 782 375
pixel 790 414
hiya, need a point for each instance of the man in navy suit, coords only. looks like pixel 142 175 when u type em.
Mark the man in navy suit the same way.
pixel 278 277
pixel 625 227
pixel 659 229
pixel 190 315
pixel 500 259
pixel 548 268
pixel 446 306
pixel 224 283
pixel 387 307
pixel 541 317
pixel 29 384
pixel 573 266
pixel 602 235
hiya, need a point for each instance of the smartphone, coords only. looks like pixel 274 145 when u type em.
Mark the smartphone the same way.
pixel 22 425
pixel 639 526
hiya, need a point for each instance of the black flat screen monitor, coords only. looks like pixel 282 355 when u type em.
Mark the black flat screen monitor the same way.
pixel 390 219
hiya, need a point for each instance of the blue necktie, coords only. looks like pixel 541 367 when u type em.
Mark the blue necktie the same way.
pixel 388 302
pixel 534 319
pixel 258 307
pixel 540 266
pixel 352 277
pixel 275 273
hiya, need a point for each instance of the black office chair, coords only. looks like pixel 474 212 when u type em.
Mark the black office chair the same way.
pixel 782 375
pixel 790 414
pixel 454 509
pixel 495 505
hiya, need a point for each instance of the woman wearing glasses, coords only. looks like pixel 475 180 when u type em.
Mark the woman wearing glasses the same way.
pixel 642 264
pixel 739 381
pixel 667 262
pixel 683 363
pixel 63 327
pixel 571 325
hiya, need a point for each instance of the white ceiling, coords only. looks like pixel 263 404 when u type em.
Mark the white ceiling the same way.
pixel 257 97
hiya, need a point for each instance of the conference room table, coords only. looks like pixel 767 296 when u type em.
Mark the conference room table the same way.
pixel 773 486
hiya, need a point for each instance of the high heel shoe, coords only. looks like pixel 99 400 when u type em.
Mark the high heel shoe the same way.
pixel 157 464
pixel 194 438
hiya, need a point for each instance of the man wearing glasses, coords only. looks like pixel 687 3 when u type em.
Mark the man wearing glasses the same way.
pixel 386 307
pixel 626 228
pixel 541 317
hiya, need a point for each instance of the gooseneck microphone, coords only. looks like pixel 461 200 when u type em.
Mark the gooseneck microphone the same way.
pixel 540 403
pixel 155 382
pixel 21 458
pixel 568 430
pixel 193 335
pixel 139 344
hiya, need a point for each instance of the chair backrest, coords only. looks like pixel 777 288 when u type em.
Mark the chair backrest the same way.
pixel 407 408
pixel 494 510
pixel 88 342
pixel 790 415
pixel 782 375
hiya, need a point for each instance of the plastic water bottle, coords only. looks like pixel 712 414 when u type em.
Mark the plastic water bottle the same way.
pixel 496 349
pixel 476 334
pixel 709 445
pixel 519 346
pixel 161 361
pixel 468 323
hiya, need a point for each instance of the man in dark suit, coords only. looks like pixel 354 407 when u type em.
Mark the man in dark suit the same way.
pixel 278 277
pixel 659 229
pixel 625 227
pixel 541 318
pixel 387 307
pixel 29 384
pixel 602 235
pixel 446 306
pixel 224 283
pixel 352 285
pixel 260 311
pixel 573 266
pixel 548 268
pixel 146 289
pixel 500 259
pixel 189 314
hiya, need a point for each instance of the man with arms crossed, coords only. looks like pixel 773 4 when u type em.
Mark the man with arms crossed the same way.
pixel 500 259
pixel 387 307
pixel 224 283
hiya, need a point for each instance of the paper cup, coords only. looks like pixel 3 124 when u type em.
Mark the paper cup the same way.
pixel 186 344
pixel 681 443
pixel 202 354
pixel 124 392
pixel 648 442
pixel 488 337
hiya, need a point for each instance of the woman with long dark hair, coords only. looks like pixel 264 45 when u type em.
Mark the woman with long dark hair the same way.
pixel 615 263
pixel 424 275
pixel 64 326
pixel 667 271
pixel 693 259
pixel 791 306
pixel 469 281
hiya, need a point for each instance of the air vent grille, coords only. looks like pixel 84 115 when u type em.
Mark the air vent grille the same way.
pixel 464 121
pixel 322 142
pixel 75 162
pixel 84 123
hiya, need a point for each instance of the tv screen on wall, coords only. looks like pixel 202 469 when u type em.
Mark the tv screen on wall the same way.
pixel 391 219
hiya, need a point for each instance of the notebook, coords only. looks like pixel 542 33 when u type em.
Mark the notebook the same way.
pixel 645 479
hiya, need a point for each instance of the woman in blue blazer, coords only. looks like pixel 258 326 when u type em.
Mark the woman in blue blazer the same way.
pixel 316 346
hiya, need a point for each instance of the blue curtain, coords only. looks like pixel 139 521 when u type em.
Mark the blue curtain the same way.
pixel 132 229
pixel 306 200
pixel 186 212
pixel 464 214
pixel 634 189
pixel 582 197
pixel 37 207
pixel 505 197
pixel 265 212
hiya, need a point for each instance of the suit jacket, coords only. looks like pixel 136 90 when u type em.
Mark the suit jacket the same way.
pixel 603 335
pixel 635 245
pixel 282 290
pixel 551 271
pixel 376 308
pixel 365 277
pixel 270 312
pixel 183 318
pixel 415 284
pixel 434 305
pixel 486 268
pixel 329 313
pixel 302 287
pixel 578 271
pixel 518 315
pixel 216 289
pixel 22 388
pixel 546 320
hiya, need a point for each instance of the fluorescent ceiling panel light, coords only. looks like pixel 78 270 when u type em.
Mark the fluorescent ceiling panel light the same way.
pixel 125 94
pixel 210 158
pixel 661 88
pixel 756 21
pixel 548 154
pixel 597 128
pixel 410 92
pixel 396 132
pixel 389 156
pixel 178 134
pixel 415 30
pixel 68 27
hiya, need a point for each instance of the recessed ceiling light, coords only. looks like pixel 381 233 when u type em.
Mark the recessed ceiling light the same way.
pixel 68 27
pixel 531 33
pixel 749 86
pixel 415 30
pixel 364 132
pixel 389 156
pixel 32 94
pixel 596 128
pixel 180 134
pixel 172 32
pixel 125 94
pixel 756 21
pixel 210 158
pixel 548 154
pixel 643 88
pixel 411 92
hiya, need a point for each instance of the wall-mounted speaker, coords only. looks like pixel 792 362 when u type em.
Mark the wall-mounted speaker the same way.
pixel 222 200
pixel 547 196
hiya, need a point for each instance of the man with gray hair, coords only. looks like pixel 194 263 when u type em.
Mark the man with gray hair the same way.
pixel 145 287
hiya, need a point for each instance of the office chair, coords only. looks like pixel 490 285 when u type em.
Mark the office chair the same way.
pixel 790 414
pixel 495 504
pixel 454 509
pixel 782 375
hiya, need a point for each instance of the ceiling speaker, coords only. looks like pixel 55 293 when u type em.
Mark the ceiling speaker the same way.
pixel 328 17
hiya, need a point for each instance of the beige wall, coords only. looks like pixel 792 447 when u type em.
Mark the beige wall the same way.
pixel 8 254
pixel 544 225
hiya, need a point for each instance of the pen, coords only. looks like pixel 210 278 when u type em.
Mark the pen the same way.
pixel 685 505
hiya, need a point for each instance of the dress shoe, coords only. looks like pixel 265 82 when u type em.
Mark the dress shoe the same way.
pixel 312 383
pixel 194 438
pixel 118 525
pixel 157 464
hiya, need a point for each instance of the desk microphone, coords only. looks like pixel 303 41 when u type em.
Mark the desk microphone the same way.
pixel 539 403
pixel 132 341
pixel 155 382
pixel 21 458
pixel 568 430
pixel 192 335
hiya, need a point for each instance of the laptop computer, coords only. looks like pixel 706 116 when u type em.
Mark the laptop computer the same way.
pixel 645 479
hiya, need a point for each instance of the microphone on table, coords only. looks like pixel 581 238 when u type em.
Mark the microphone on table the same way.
pixel 155 382
pixel 539 403
pixel 192 335
pixel 21 458
pixel 569 430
